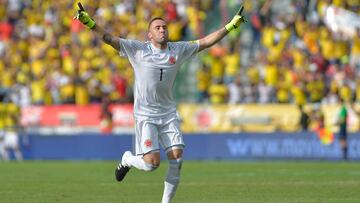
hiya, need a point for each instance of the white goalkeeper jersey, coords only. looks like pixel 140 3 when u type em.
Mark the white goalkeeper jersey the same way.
pixel 155 71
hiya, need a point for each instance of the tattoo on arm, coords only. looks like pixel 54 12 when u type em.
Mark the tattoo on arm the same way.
pixel 111 40
pixel 107 38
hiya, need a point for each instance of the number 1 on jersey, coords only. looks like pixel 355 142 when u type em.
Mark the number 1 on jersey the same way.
pixel 161 73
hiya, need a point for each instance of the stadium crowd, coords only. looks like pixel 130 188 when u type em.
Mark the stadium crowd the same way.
pixel 285 54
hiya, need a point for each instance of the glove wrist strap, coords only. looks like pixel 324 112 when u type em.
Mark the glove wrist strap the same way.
pixel 91 24
pixel 229 26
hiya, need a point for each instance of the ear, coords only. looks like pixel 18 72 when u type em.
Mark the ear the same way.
pixel 149 35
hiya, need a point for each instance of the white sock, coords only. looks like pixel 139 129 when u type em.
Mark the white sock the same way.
pixel 4 154
pixel 172 180
pixel 139 163
pixel 18 155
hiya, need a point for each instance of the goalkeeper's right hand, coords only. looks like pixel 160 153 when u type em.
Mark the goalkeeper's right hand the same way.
pixel 85 18
pixel 236 21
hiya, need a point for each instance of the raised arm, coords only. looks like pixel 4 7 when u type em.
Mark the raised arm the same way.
pixel 216 36
pixel 85 19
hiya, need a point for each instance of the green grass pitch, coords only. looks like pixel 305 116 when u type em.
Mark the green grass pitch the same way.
pixel 208 181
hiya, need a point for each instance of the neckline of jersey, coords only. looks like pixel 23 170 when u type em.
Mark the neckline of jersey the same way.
pixel 157 50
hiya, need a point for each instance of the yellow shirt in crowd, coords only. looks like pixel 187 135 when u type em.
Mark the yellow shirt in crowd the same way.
pixel 355 49
pixel 218 93
pixel 232 64
pixel 298 95
pixel 271 75
pixel 345 93
pixel 9 116
pixel 204 80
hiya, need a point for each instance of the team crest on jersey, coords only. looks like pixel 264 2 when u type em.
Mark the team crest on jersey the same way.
pixel 148 143
pixel 172 60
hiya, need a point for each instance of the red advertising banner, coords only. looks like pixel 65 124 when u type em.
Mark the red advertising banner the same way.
pixel 72 119
pixel 123 115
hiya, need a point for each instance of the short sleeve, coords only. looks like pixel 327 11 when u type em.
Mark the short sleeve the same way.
pixel 130 48
pixel 187 49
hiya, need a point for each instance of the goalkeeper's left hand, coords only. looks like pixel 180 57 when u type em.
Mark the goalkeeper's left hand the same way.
pixel 236 21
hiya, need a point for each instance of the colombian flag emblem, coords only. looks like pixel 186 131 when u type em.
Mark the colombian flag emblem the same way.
pixel 325 136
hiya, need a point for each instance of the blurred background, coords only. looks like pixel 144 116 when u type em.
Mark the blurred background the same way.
pixel 271 89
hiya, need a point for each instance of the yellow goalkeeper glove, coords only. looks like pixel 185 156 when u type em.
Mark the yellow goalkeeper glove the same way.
pixel 84 17
pixel 236 21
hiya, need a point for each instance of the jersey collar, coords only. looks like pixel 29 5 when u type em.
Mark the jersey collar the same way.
pixel 157 50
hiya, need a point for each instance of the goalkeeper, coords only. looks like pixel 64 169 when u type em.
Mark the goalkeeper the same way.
pixel 155 64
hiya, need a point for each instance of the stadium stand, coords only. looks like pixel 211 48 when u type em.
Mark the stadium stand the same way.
pixel 283 55
pixel 290 51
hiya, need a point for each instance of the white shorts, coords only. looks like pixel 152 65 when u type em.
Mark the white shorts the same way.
pixel 150 132
pixel 11 140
